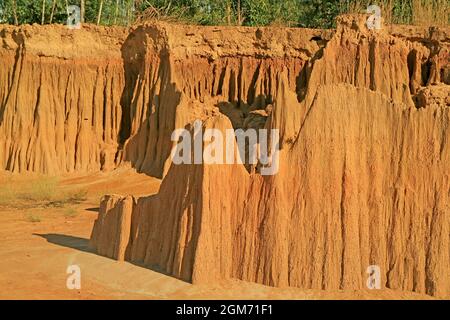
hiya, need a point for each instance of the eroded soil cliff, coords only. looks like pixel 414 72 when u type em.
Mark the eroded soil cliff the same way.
pixel 364 165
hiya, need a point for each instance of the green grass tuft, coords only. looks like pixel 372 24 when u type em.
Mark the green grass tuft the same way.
pixel 33 218
pixel 43 192
pixel 70 213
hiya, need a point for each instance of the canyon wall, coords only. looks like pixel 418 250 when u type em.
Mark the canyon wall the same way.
pixel 363 177
pixel 96 98
pixel 60 98
pixel 364 130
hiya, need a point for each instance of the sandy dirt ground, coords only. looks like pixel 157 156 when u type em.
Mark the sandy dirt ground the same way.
pixel 39 240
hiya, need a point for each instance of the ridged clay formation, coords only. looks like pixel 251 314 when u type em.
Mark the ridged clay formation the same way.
pixel 364 121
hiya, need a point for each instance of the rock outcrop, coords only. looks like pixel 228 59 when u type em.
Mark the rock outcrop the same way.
pixel 95 98
pixel 363 179
pixel 60 98
pixel 364 174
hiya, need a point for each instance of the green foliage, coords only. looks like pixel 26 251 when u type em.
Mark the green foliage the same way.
pixel 259 12
pixel 303 13
pixel 403 12
pixel 319 13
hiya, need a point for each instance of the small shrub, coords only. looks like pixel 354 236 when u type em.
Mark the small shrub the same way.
pixel 77 196
pixel 70 213
pixel 7 196
pixel 40 190
pixel 33 218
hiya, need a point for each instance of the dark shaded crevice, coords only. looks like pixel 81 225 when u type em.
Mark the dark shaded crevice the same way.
pixel 125 102
pixel 132 61
pixel 221 80
pixel 302 81
pixel 104 112
pixel 17 70
pixel 251 90
pixel 232 88
pixel 372 61
pixel 342 223
pixel 426 71
pixel 411 63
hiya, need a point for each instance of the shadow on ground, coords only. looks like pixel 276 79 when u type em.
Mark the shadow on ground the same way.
pixel 82 244
pixel 77 243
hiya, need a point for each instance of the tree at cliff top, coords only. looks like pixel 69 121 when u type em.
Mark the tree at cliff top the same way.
pixel 302 13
